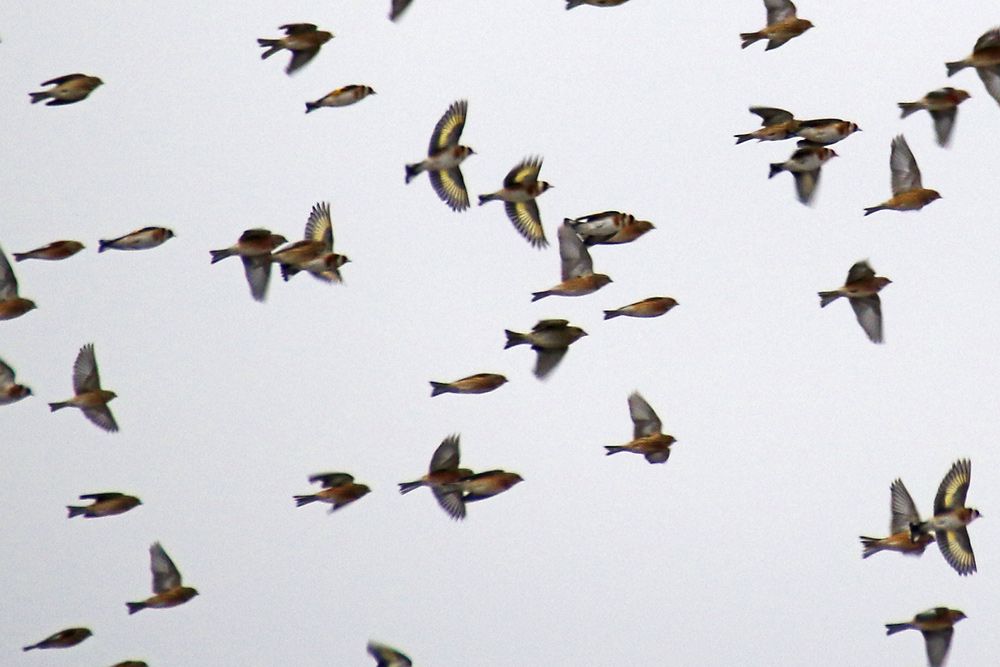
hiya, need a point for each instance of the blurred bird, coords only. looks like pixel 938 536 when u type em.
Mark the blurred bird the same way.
pixel 105 504
pixel 480 383
pixel 654 306
pixel 861 288
pixel 782 25
pixel 904 513
pixel 908 194
pixel 388 656
pixel 776 125
pixel 315 253
pixel 444 157
pixel 951 516
pixel 89 396
pixel 648 438
pixel 140 239
pixel 11 304
pixel 302 39
pixel 131 663
pixel 578 277
pixel 339 489
pixel 341 97
pixel 167 588
pixel 10 391
pixel 608 227
pixel 937 626
pixel 824 131
pixel 986 59
pixel 804 165
pixel 62 639
pixel 570 4
pixel 550 339
pixel 942 104
pixel 254 247
pixel 520 188
pixel 485 484
pixel 54 250
pixel 66 89
pixel 443 470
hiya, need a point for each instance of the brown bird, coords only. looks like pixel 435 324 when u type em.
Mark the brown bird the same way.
pixel 10 391
pixel 254 247
pixel 776 125
pixel 861 288
pixel 485 484
pixel 140 239
pixel 937 627
pixel 782 25
pixel 904 514
pixel 341 97
pixel 648 438
pixel 11 304
pixel 578 277
pixel 550 339
pixel 339 489
pixel 54 250
pixel 908 194
pixel 388 656
pixel 315 253
pixel 950 519
pixel 570 4
pixel 66 89
pixel 520 188
pixel 609 227
pixel 654 306
pixel 167 588
pixel 62 639
pixel 444 157
pixel 986 59
pixel 942 104
pixel 804 165
pixel 105 504
pixel 304 40
pixel 442 471
pixel 89 396
pixel 480 383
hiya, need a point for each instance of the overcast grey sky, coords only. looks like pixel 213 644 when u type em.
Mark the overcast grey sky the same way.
pixel 790 424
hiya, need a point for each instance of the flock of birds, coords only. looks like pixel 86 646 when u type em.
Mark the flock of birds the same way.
pixel 453 486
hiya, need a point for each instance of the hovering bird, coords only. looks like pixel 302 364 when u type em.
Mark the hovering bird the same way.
pixel 861 288
pixel 648 438
pixel 52 251
pixel 105 504
pixel 140 239
pixel 444 157
pixel 950 519
pixel 167 588
pixel 937 627
pixel 550 339
pixel 986 59
pixel 782 25
pixel 908 194
pixel 485 484
pixel 62 639
pixel 804 165
pixel 254 247
pixel 480 383
pixel 339 489
pixel 570 4
pixel 904 514
pixel 304 40
pixel 10 391
pixel 520 188
pixel 66 89
pixel 388 656
pixel 11 304
pixel 942 104
pixel 315 252
pixel 654 306
pixel 776 125
pixel 608 228
pixel 341 97
pixel 578 277
pixel 443 471
pixel 89 396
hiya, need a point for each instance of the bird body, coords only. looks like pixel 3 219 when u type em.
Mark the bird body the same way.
pixel 339 490
pixel 648 438
pixel 442 472
pixel 314 253
pixel 89 396
pixel 444 155
pixel 105 504
pixel 53 251
pixel 11 303
pixel 937 627
pixel 479 383
pixel 908 193
pixel 167 588
pixel 804 165
pixel 904 513
pixel 942 105
pixel 654 306
pixel 782 25
pixel 254 247
pixel 608 228
pixel 10 391
pixel 577 268
pixel 304 40
pixel 986 59
pixel 950 519
pixel 861 288
pixel 341 97
pixel 550 339
pixel 63 639
pixel 140 239
pixel 66 89
pixel 520 189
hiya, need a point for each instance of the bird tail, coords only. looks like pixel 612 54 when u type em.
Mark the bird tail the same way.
pixel 909 107
pixel 311 106
pixel 893 628
pixel 287 271
pixel 826 298
pixel 514 338
pixel 608 314
pixel 412 170
pixel 133 607
pixel 485 198
pixel 28 648
pixel 570 4
pixel 59 406
pixel 219 255
pixel 438 388
pixel 871 545
pixel 749 38
pixel 952 67
pixel 740 138
pixel 614 449
pixel 872 209
pixel 76 511
pixel 535 296
pixel 304 500
pixel 274 45
pixel 35 99
pixel 104 245
pixel 20 256
pixel 406 487
pixel 776 168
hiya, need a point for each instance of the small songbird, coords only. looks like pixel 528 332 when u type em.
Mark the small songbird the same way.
pixel 443 470
pixel 942 104
pixel 485 484
pixel 654 306
pixel 550 339
pixel 397 8
pixel 578 277
pixel 10 391
pixel 54 250
pixel 62 639
pixel 861 288
pixel 951 516
pixel 904 514
pixel 480 383
pixel 444 157
pixel 89 396
pixel 608 227
pixel 570 4
pixel 341 97
pixel 937 626
pixel 986 59
pixel 66 89
pixel 648 437
pixel 339 489
pixel 804 165
pixel 782 25
pixel 776 125
pixel 302 39
pixel 11 304
pixel 131 663
pixel 825 131
pixel 315 252
pixel 254 247
pixel 908 194
pixel 388 656
pixel 520 188
pixel 105 504
pixel 167 588
pixel 140 239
